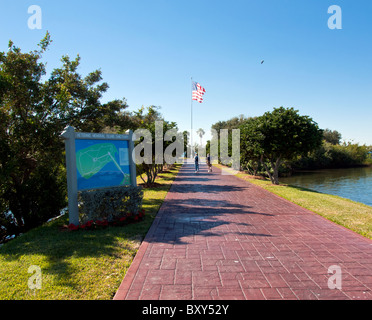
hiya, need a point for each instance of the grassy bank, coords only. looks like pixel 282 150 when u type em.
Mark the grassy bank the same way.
pixel 350 214
pixel 81 264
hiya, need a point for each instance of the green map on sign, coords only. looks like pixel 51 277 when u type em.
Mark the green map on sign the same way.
pixel 92 159
pixel 102 164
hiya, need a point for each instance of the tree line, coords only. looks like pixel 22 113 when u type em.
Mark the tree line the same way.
pixel 282 141
pixel 35 109
pixel 33 113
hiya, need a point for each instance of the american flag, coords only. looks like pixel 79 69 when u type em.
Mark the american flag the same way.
pixel 197 92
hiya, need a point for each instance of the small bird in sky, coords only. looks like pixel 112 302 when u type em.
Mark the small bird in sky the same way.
pixel 262 61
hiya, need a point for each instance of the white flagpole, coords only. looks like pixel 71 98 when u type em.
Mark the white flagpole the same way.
pixel 191 146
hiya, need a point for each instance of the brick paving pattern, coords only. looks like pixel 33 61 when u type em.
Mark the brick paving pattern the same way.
pixel 218 237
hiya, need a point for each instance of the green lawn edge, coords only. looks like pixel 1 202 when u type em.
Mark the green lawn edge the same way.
pixel 77 265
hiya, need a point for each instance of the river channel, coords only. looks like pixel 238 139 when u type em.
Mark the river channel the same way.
pixel 353 183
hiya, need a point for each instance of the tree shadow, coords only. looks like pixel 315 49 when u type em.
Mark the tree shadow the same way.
pixel 180 219
pixel 190 173
pixel 205 188
pixel 302 188
pixel 57 248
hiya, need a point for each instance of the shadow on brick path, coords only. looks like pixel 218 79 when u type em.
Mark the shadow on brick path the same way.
pixel 219 237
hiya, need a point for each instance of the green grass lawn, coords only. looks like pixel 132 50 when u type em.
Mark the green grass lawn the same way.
pixel 350 214
pixel 77 264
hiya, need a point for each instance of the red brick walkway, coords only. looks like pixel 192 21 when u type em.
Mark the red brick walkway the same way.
pixel 218 237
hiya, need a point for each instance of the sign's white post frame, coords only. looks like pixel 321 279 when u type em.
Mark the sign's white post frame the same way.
pixel 72 193
pixel 69 136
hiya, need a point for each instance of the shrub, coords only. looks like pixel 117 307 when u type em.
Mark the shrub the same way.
pixel 334 156
pixel 110 203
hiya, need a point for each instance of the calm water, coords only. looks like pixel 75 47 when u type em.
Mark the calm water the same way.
pixel 354 183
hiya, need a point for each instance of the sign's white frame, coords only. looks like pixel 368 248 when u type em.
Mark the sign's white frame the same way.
pixel 69 136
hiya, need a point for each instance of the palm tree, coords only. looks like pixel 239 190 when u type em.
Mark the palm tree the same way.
pixel 200 133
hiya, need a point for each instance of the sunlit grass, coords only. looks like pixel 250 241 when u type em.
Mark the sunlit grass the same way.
pixel 77 264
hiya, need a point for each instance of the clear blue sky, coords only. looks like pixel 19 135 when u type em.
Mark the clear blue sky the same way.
pixel 148 50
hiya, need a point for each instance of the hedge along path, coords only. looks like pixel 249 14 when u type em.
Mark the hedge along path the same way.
pixel 110 203
pixel 77 265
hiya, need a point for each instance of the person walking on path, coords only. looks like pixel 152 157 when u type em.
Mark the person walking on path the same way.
pixel 209 163
pixel 196 163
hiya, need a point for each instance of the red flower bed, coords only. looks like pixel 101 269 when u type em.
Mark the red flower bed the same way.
pixel 98 224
